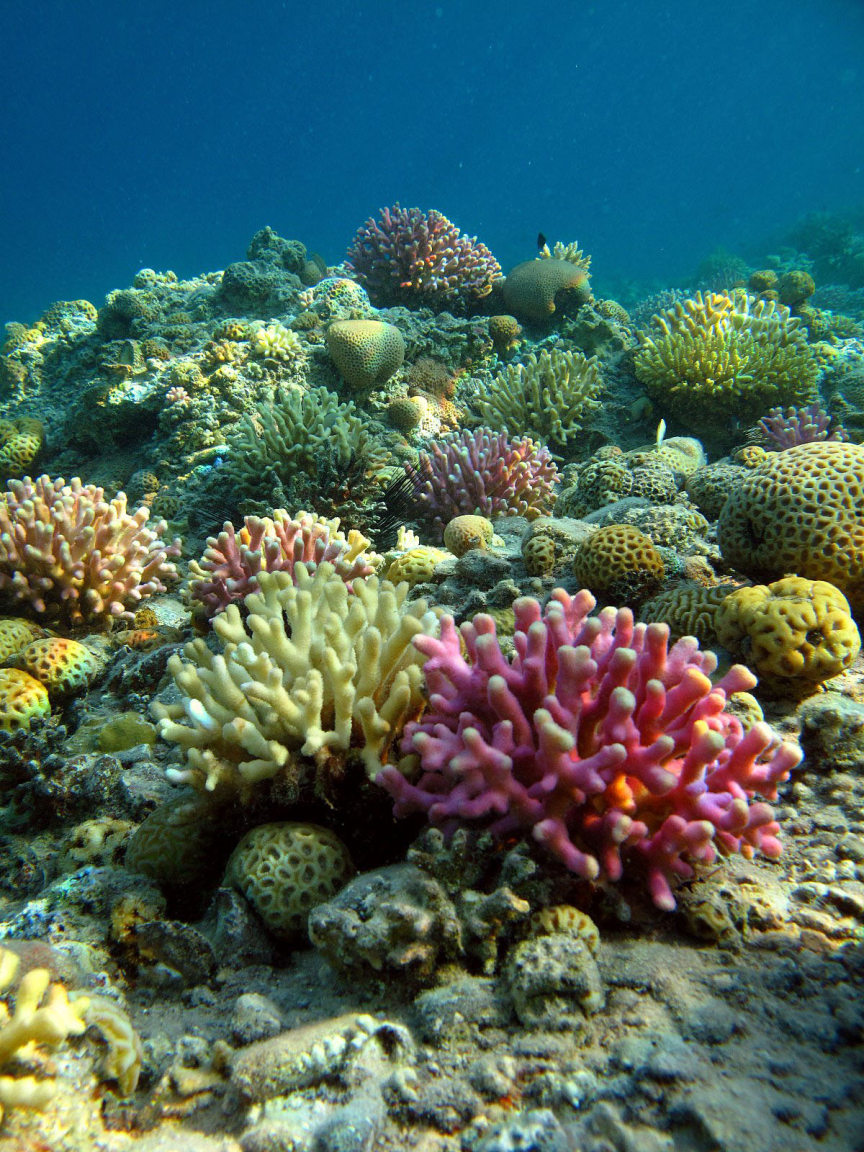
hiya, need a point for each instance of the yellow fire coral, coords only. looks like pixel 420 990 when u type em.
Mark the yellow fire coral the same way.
pixel 315 670
pixel 793 633
pixel 548 397
pixel 720 355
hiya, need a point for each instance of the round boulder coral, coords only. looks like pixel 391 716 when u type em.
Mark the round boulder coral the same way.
pixel 466 532
pixel 62 666
pixel 800 511
pixel 366 352
pixel 794 633
pixel 285 870
pixel 616 553
pixel 535 289
pixel 22 700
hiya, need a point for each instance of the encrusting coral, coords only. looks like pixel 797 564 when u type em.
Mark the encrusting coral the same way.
pixel 719 356
pixel 549 397
pixel 69 554
pixel 315 670
pixel 598 739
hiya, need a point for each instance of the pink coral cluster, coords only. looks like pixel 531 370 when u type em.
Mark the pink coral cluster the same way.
pixel 68 553
pixel 229 568
pixel 599 739
pixel 482 473
pixel 412 257
pixel 800 426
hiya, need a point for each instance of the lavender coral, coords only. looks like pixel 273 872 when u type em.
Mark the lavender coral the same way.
pixel 799 426
pixel 599 739
pixel 69 554
pixel 412 257
pixel 482 473
pixel 233 561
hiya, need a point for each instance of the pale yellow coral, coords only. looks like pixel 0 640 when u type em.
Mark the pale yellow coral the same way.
pixel 315 670
pixel 276 342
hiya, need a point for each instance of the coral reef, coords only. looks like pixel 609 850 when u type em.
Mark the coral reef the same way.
pixel 598 739
pixel 536 289
pixel 412 257
pixel 366 352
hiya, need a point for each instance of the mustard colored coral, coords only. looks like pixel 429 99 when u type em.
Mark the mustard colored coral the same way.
pixel 22 700
pixel 366 352
pixel 535 289
pixel 719 356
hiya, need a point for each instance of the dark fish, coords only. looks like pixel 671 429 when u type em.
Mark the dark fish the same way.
pixel 541 240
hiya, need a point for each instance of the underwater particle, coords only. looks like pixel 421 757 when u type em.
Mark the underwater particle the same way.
pixel 614 553
pixel 536 289
pixel 466 532
pixel 22 700
pixel 285 870
pixel 800 511
pixel 366 352
pixel 795 634
pixel 63 666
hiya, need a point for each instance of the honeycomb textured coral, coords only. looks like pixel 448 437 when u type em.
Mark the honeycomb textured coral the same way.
pixel 796 631
pixel 415 566
pixel 285 870
pixel 366 352
pixel 801 511
pixel 719 356
pixel 534 289
pixel 63 666
pixel 22 700
pixel 15 634
pixel 688 610
pixel 314 669
pixel 466 532
pixel 20 442
pixel 68 553
pixel 613 552
pixel 597 738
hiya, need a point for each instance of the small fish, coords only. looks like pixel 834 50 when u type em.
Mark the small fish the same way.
pixel 661 432
pixel 541 241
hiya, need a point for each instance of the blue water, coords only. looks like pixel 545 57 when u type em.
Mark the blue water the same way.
pixel 165 134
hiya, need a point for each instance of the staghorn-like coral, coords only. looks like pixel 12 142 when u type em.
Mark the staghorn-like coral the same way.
pixel 799 426
pixel 719 356
pixel 69 554
pixel 549 397
pixel 314 670
pixel 232 561
pixel 482 473
pixel 598 739
pixel 415 258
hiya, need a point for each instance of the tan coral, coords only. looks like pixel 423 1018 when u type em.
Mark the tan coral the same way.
pixel 20 442
pixel 534 289
pixel 63 666
pixel 614 553
pixel 22 700
pixel 415 566
pixel 466 532
pixel 794 633
pixel 15 634
pixel 688 609
pixel 366 352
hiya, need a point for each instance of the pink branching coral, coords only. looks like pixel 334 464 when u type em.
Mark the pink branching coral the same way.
pixel 230 566
pixel 599 739
pixel 482 473
pixel 68 553
pixel 799 426
pixel 411 257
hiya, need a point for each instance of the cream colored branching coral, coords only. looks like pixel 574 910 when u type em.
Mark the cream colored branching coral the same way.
pixel 571 252
pixel 722 355
pixel 42 1017
pixel 315 669
pixel 549 397
pixel 70 554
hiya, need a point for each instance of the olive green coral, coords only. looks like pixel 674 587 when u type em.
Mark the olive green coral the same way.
pixel 719 355
pixel 549 397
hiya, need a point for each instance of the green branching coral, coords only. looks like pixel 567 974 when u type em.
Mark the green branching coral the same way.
pixel 549 398
pixel 720 355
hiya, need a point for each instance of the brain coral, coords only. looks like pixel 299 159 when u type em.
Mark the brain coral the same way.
pixel 466 532
pixel 20 441
pixel 366 352
pixel 537 288
pixel 615 553
pixel 16 634
pixel 793 633
pixel 800 511
pixel 720 356
pixel 415 566
pixel 22 699
pixel 412 257
pixel 63 666
pixel 67 552
pixel 482 473
pixel 688 610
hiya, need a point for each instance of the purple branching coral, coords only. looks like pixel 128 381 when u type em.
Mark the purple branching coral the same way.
pixel 68 553
pixel 599 739
pixel 412 257
pixel 232 562
pixel 799 426
pixel 483 473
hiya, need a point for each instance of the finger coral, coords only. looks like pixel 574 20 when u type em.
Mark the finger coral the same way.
pixel 719 356
pixel 315 670
pixel 799 426
pixel 482 473
pixel 416 258
pixel 598 739
pixel 70 554
pixel 232 561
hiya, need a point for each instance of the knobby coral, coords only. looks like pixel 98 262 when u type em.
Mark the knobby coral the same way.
pixel 412 257
pixel 68 553
pixel 482 473
pixel 599 739
pixel 799 426
pixel 232 561
pixel 720 355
